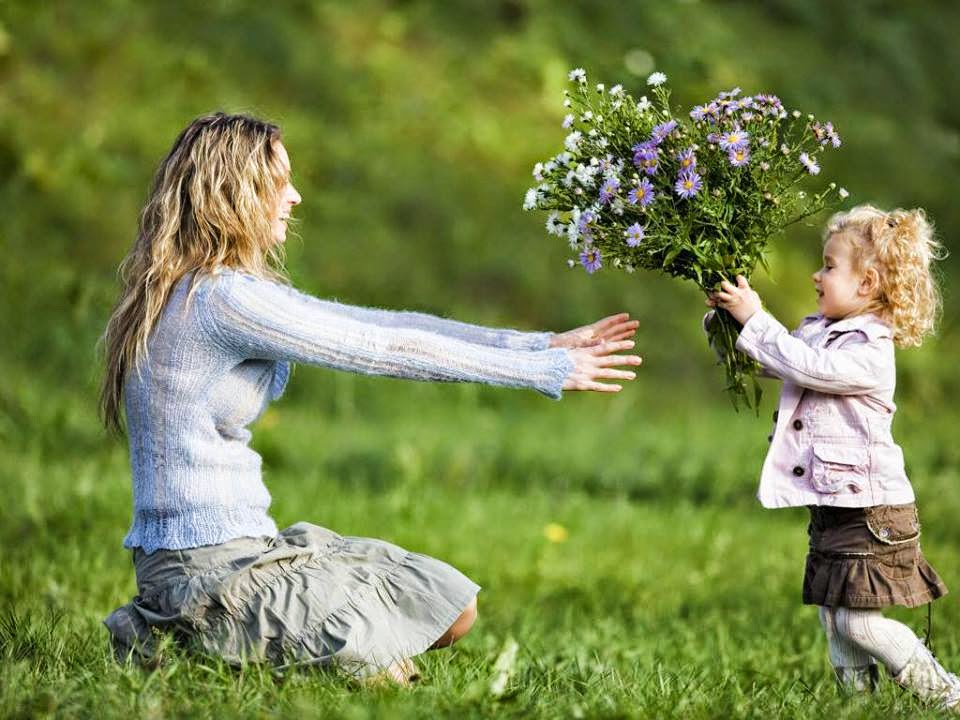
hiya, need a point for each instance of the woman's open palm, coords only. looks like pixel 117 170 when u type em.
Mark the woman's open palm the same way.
pixel 600 362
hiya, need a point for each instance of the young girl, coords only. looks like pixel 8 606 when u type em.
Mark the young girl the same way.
pixel 831 448
pixel 199 344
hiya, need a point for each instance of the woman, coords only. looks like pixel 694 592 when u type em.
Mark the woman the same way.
pixel 200 342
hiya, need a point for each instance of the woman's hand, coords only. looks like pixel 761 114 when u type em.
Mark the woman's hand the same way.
pixel 609 329
pixel 739 300
pixel 597 362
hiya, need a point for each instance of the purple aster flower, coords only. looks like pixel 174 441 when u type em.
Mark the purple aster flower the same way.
pixel 590 258
pixel 739 156
pixel 660 132
pixel 809 163
pixel 609 189
pixel 735 139
pixel 634 234
pixel 726 95
pixel 687 159
pixel 712 113
pixel 713 138
pixel 643 194
pixel 646 156
pixel 698 113
pixel 688 184
pixel 584 225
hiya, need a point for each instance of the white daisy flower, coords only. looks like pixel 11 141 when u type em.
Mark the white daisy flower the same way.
pixel 578 74
pixel 587 116
pixel 530 199
pixel 538 172
pixel 554 224
pixel 567 121
pixel 655 79
pixel 616 90
pixel 573 140
pixel 643 105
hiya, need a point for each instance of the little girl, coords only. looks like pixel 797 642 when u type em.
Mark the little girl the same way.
pixel 831 448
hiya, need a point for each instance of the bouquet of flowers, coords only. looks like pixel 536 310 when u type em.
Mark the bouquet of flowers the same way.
pixel 695 195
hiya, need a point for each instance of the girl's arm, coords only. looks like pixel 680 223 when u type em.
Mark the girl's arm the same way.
pixel 255 318
pixel 859 366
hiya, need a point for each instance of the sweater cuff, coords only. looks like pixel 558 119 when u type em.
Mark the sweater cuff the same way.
pixel 553 387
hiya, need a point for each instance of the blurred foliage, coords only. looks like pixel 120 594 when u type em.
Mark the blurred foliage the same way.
pixel 412 128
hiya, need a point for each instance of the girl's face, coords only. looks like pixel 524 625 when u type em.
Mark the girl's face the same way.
pixel 842 291
pixel 289 197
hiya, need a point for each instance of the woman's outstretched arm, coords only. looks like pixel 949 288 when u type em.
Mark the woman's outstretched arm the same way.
pixel 613 328
pixel 256 318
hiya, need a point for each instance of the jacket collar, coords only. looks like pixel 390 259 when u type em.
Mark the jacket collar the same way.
pixel 868 323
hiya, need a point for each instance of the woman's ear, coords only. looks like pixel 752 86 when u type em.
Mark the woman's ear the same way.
pixel 870 283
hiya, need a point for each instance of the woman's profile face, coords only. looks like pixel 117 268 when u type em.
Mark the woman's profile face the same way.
pixel 289 197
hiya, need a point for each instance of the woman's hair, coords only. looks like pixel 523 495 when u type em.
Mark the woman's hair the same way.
pixel 900 245
pixel 210 205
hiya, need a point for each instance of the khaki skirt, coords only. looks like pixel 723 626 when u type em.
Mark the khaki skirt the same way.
pixel 307 596
pixel 868 558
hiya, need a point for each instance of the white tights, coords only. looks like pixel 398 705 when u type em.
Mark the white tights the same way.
pixel 856 637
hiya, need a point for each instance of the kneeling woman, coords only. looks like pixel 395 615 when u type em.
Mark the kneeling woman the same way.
pixel 200 342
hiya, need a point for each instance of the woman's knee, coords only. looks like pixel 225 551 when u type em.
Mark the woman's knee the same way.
pixel 461 626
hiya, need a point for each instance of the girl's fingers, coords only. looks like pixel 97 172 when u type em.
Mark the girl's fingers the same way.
pixel 728 286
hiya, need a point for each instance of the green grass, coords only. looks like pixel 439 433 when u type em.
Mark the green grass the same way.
pixel 673 595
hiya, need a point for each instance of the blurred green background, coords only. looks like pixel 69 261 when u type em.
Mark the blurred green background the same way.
pixel 412 129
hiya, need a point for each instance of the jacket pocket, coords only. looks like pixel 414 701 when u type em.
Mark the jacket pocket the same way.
pixel 839 468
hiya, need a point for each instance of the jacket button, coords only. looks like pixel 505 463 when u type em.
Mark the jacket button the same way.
pixel 769 438
pixel 798 471
pixel 776 414
pixel 797 425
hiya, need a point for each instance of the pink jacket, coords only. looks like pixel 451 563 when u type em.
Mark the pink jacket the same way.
pixel 831 442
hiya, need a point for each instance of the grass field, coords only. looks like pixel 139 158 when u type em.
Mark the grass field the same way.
pixel 616 540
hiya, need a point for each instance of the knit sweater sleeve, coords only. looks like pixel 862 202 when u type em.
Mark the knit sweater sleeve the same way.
pixel 258 319
pixel 476 334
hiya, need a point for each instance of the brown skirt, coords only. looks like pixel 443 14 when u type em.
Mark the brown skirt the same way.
pixel 868 558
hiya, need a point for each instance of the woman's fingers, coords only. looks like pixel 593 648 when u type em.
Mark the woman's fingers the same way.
pixel 623 336
pixel 611 320
pixel 590 385
pixel 626 328
pixel 604 361
pixel 611 374
pixel 606 348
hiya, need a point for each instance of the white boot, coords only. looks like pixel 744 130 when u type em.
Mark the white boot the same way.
pixel 927 679
pixel 856 680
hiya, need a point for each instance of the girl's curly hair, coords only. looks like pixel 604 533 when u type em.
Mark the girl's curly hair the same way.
pixel 900 245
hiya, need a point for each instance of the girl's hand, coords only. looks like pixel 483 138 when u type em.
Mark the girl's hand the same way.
pixel 609 329
pixel 598 362
pixel 739 300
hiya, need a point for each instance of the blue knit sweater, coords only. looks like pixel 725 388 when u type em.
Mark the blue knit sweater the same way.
pixel 219 355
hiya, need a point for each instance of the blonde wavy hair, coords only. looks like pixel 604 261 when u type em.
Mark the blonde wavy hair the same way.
pixel 210 205
pixel 900 245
